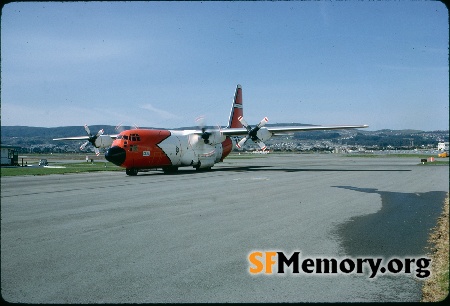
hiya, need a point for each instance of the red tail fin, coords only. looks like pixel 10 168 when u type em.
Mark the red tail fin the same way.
pixel 237 109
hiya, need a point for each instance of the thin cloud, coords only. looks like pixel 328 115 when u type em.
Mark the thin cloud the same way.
pixel 160 112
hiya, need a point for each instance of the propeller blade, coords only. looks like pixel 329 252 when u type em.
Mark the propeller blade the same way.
pixel 241 142
pixel 201 122
pixel 118 127
pixel 99 133
pixel 262 123
pixel 88 131
pixel 261 145
pixel 220 129
pixel 97 151
pixel 84 145
pixel 244 123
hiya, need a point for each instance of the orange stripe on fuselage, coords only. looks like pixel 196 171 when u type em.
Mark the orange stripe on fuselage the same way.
pixel 136 148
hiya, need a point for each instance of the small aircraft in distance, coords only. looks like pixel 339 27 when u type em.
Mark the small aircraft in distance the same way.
pixel 145 149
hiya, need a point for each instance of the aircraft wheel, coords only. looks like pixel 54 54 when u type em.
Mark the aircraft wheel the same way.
pixel 170 169
pixel 202 169
pixel 197 167
pixel 131 171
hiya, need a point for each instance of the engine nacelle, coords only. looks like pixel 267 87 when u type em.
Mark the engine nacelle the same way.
pixel 206 160
pixel 264 134
pixel 103 141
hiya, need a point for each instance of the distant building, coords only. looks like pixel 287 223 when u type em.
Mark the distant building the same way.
pixel 10 156
pixel 443 146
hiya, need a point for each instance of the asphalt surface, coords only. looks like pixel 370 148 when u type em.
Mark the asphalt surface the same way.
pixel 110 238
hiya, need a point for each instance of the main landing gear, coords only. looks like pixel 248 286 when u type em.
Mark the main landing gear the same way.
pixel 170 169
pixel 131 171
pixel 199 167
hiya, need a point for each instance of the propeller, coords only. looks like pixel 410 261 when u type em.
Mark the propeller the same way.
pixel 92 139
pixel 201 124
pixel 120 127
pixel 252 133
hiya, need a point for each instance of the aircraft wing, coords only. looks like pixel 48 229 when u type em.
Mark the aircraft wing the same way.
pixel 82 137
pixel 290 129
pixel 73 138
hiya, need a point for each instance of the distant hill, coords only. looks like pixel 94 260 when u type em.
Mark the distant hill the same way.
pixel 53 132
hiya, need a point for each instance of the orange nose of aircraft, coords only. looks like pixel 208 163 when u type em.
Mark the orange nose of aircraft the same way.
pixel 116 155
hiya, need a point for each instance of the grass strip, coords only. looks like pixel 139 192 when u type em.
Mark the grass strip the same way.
pixel 68 168
pixel 435 288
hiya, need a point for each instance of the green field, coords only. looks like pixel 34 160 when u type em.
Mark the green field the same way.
pixel 61 169
pixel 368 155
pixel 436 163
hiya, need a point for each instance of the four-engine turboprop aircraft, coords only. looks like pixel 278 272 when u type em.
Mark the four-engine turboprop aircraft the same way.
pixel 140 149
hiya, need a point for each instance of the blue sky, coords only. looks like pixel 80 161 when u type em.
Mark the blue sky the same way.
pixel 163 64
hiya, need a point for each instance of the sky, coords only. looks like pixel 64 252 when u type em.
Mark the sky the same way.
pixel 163 64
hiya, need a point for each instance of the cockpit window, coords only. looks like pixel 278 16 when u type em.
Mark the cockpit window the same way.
pixel 131 137
pixel 135 137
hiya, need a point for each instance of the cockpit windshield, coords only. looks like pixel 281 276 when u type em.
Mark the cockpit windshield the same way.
pixel 131 137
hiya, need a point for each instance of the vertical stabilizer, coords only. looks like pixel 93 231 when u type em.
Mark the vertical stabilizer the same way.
pixel 237 109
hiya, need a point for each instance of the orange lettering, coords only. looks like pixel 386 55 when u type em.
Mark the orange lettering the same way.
pixel 269 261
pixel 258 264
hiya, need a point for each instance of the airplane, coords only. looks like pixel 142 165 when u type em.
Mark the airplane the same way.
pixel 146 149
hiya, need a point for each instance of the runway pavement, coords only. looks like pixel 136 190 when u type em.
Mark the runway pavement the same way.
pixel 110 238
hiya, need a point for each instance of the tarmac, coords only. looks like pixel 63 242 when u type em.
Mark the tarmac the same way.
pixel 110 238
